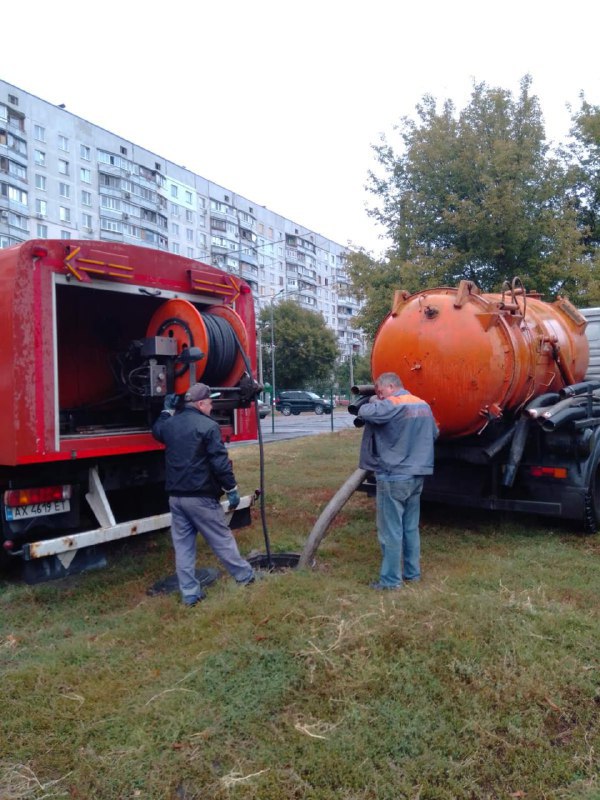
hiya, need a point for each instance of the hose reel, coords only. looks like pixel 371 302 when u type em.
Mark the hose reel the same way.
pixel 214 331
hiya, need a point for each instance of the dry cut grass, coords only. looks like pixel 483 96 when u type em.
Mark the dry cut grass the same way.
pixel 481 682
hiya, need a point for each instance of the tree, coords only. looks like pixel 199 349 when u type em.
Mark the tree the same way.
pixel 361 371
pixel 583 154
pixel 473 195
pixel 305 348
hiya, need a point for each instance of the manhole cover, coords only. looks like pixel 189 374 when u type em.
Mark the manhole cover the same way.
pixel 206 576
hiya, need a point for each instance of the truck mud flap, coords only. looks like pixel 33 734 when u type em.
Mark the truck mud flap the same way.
pixel 52 568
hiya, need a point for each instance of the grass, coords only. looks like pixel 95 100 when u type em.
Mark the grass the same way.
pixel 481 682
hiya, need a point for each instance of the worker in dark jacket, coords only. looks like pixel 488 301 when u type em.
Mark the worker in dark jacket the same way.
pixel 398 446
pixel 198 471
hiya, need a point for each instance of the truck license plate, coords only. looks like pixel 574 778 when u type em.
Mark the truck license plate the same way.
pixel 37 509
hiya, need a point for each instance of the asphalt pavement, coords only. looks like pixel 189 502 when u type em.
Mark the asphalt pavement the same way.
pixel 277 428
pixel 305 424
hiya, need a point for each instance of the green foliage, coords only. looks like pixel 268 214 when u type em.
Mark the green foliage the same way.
pixel 480 682
pixel 583 156
pixel 473 194
pixel 361 372
pixel 305 348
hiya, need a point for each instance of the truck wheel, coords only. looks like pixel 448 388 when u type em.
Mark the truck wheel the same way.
pixel 286 411
pixel 319 410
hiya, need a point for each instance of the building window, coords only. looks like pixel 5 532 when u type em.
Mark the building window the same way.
pixel 63 166
pixel 85 152
pixel 64 190
pixel 123 150
pixel 85 175
pixel 175 229
pixel 12 98
pixel 189 234
pixel 39 157
pixel 64 214
pixel 188 197
pixel 41 230
pixel 175 247
pixel 39 133
pixel 174 210
pixel 190 252
pixel 41 207
pixel 111 203
pixel 63 143
pixel 86 198
pixel 86 221
pixel 65 235
pixel 111 225
pixel 40 182
pixel 189 215
pixel 13 194
pixel 173 190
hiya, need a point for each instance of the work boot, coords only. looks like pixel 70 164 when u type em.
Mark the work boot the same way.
pixel 189 602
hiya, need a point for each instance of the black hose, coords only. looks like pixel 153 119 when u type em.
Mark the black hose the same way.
pixel 500 443
pixel 222 350
pixel 567 414
pixel 261 455
pixel 579 388
pixel 357 403
pixel 517 448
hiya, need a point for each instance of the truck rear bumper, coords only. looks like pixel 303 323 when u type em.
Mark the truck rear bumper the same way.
pixel 65 547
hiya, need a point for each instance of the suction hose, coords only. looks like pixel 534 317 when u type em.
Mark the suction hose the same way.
pixel 335 505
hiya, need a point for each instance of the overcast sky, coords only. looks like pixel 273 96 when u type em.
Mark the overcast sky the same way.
pixel 281 101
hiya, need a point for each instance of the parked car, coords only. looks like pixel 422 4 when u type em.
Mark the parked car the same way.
pixel 263 409
pixel 297 402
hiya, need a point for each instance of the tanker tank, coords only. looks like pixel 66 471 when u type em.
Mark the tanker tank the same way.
pixel 477 357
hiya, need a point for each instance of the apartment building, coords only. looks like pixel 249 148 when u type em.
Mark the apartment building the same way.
pixel 63 177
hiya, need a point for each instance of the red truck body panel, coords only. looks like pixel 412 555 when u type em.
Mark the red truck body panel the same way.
pixel 58 333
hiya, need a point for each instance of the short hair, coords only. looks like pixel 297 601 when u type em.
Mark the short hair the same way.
pixel 391 378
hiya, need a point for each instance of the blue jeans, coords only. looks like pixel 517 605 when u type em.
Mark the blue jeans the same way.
pixel 398 510
pixel 193 515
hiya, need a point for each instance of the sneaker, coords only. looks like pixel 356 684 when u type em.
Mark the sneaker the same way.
pixel 381 587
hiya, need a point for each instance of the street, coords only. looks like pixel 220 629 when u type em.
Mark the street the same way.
pixel 305 424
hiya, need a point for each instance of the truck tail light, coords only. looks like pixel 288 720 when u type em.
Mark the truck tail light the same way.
pixel 38 494
pixel 549 472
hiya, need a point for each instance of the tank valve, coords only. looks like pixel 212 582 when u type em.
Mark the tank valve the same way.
pixel 431 311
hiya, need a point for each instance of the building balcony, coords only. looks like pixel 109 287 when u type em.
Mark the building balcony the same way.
pixel 250 258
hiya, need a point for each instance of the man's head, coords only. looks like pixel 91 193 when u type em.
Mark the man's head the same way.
pixel 387 384
pixel 200 396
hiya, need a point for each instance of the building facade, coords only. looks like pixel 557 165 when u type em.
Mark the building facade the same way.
pixel 63 177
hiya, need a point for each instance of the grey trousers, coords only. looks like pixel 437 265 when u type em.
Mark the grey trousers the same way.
pixel 204 515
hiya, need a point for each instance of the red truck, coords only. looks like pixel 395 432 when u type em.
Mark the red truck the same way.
pixel 94 334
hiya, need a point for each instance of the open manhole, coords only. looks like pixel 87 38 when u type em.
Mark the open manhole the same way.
pixel 205 575
pixel 279 561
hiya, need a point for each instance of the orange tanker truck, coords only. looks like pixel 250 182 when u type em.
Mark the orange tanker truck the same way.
pixel 94 334
pixel 505 377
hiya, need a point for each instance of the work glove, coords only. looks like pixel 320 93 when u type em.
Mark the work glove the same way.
pixel 170 403
pixel 233 496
